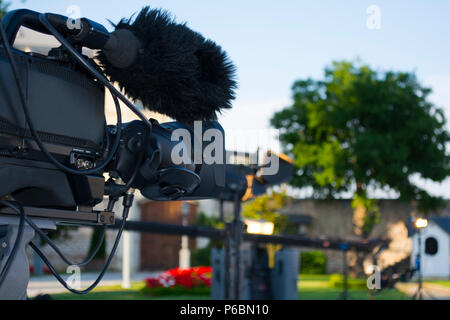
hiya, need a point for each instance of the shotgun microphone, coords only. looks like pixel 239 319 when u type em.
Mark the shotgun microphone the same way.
pixel 169 67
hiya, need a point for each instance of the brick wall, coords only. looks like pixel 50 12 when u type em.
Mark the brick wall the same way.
pixel 159 251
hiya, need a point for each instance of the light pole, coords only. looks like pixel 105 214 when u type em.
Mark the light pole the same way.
pixel 184 254
pixel 420 223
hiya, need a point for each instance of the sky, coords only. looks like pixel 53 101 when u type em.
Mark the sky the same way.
pixel 274 43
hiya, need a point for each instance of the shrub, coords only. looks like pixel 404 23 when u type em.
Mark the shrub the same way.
pixel 313 262
pixel 201 256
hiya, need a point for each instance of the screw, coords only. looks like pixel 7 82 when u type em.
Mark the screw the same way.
pixel 102 218
pixel 4 245
pixel 111 219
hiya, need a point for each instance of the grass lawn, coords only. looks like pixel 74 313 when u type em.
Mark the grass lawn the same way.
pixel 316 287
pixel 122 295
pixel 443 283
pixel 116 292
pixel 311 287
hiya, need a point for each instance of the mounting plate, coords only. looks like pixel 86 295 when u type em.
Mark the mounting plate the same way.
pixel 69 216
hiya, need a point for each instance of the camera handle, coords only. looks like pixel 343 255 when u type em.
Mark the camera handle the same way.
pixel 89 33
pixel 15 285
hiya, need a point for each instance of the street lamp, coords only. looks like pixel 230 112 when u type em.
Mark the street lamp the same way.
pixel 420 224
pixel 184 254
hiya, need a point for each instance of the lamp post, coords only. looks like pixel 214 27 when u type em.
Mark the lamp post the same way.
pixel 184 254
pixel 420 224
pixel 259 272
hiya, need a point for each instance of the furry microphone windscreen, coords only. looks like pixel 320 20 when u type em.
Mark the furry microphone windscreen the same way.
pixel 177 72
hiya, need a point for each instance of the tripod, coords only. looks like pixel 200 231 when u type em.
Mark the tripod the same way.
pixel 14 286
pixel 233 252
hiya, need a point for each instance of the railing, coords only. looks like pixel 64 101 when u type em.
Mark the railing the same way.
pixel 221 234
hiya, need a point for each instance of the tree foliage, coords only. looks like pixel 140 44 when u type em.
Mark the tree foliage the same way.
pixel 208 221
pixel 313 262
pixel 359 128
pixel 266 207
pixel 3 8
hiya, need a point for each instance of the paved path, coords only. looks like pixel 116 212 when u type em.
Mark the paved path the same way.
pixel 48 284
pixel 432 291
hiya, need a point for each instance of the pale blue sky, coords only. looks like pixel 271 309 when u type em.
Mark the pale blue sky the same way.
pixel 273 43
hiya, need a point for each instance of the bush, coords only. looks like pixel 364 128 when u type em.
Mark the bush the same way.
pixel 201 257
pixel 337 281
pixel 313 262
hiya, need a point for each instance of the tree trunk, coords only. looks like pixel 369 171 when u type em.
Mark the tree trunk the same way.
pixel 359 218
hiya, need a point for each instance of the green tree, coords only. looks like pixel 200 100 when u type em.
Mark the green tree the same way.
pixel 266 207
pixel 208 221
pixel 359 128
pixel 3 8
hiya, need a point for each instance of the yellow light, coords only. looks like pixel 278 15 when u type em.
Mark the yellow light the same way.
pixel 421 223
pixel 259 226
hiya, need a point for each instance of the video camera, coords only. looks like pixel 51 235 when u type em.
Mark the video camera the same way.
pixel 55 144
pixel 65 102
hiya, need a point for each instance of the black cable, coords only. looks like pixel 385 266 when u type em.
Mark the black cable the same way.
pixel 58 251
pixel 135 171
pixel 99 243
pixel 55 247
pixel 34 133
pixel 16 246
pixel 111 202
pixel 126 209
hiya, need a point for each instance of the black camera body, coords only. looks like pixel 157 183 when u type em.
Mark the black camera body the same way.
pixel 67 108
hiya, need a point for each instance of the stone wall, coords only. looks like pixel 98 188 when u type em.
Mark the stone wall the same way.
pixel 333 218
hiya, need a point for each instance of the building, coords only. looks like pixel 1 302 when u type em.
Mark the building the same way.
pixel 160 251
pixel 434 246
